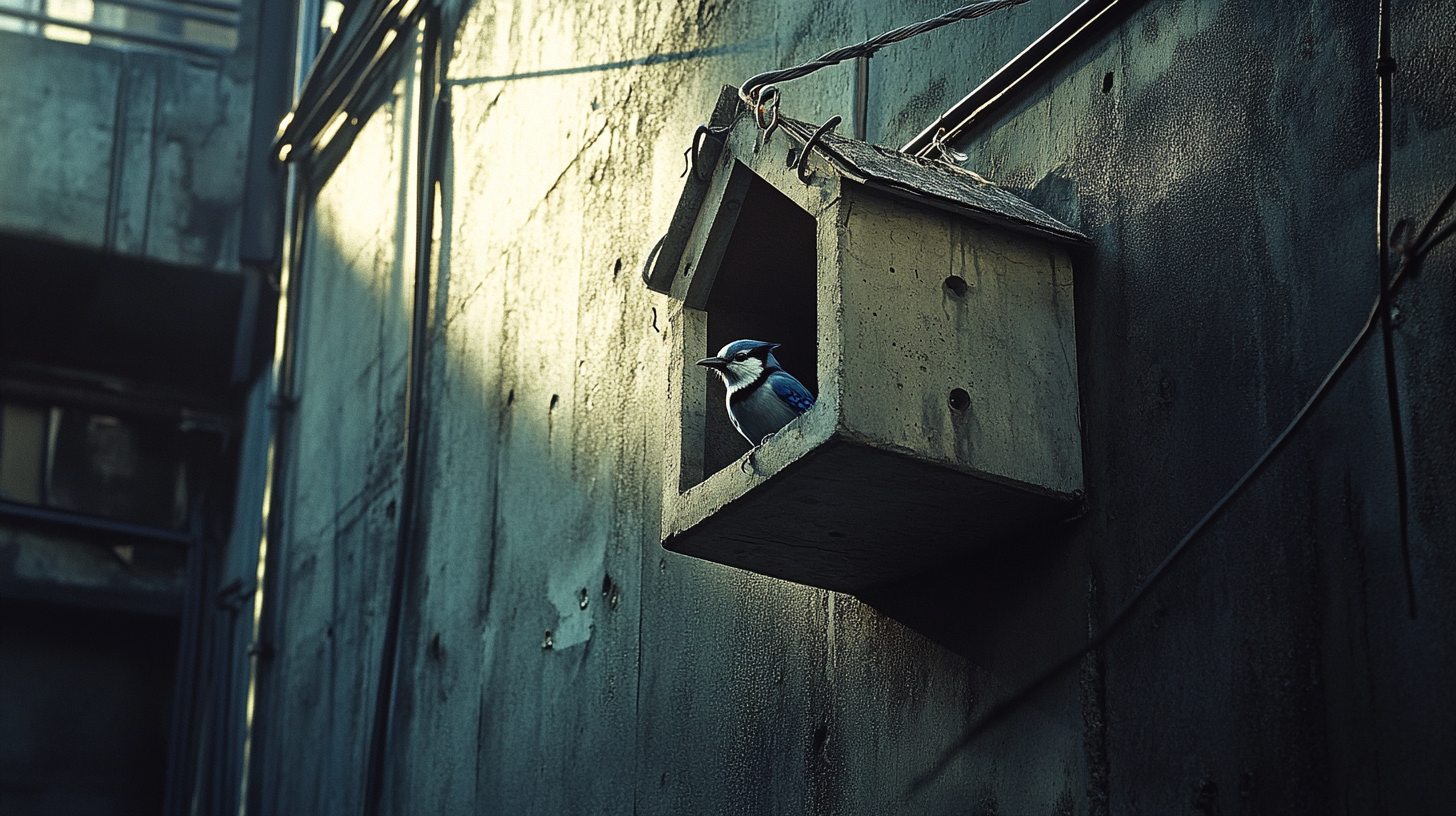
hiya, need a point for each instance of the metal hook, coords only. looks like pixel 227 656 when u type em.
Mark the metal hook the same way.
pixel 803 163
pixel 764 96
pixel 947 153
pixel 690 156
pixel 652 256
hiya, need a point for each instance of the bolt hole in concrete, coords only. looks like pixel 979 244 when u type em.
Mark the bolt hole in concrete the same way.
pixel 956 285
pixel 821 737
pixel 960 399
pixel 555 401
pixel 1107 82
pixel 548 640
pixel 617 270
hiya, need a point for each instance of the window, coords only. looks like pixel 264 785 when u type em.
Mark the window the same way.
pixel 127 469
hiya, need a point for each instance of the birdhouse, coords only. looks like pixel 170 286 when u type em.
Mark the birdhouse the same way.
pixel 928 310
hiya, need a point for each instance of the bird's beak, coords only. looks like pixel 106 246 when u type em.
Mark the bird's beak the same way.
pixel 712 362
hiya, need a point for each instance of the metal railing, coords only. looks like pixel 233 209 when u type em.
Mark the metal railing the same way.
pixel 218 13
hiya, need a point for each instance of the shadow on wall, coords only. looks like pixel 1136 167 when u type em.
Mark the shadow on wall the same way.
pixel 1010 610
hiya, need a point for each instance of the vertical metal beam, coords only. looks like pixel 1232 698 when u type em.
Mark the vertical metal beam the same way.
pixel 264 606
pixel 281 401
pixel 273 83
pixel 183 742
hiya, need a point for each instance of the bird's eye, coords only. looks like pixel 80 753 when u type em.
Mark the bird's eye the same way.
pixel 741 356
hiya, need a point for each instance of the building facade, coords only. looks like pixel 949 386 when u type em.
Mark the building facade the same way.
pixel 139 240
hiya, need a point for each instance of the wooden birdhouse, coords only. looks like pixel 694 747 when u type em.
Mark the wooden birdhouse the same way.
pixel 931 314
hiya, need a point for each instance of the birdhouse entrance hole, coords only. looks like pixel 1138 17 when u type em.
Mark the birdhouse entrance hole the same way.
pixel 763 289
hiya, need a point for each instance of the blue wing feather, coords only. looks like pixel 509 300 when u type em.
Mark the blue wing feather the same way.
pixel 791 391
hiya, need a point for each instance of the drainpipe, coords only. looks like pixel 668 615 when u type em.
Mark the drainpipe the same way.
pixel 265 601
pixel 427 172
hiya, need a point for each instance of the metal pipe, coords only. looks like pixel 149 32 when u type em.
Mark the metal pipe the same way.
pixel 282 398
pixel 155 40
pixel 426 170
pixel 341 96
pixel 341 78
pixel 229 19
pixel 1032 65
pixel 92 524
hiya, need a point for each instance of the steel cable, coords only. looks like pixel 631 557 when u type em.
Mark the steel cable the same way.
pixel 750 89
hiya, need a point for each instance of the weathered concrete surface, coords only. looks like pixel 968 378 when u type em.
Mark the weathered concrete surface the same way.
pixel 137 153
pixel 1226 176
pixel 343 483
pixel 1222 157
pixel 51 567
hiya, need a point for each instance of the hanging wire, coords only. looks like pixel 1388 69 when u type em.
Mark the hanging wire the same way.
pixel 750 89
pixel 1384 68
pixel 1412 254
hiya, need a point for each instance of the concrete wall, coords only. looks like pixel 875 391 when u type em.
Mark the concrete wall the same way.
pixel 141 154
pixel 1226 175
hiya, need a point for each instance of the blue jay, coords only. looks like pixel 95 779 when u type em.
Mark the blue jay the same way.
pixel 762 398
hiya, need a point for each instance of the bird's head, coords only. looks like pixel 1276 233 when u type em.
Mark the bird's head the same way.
pixel 741 361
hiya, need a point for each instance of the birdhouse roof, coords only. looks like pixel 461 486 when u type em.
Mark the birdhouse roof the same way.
pixel 885 170
pixel 936 183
